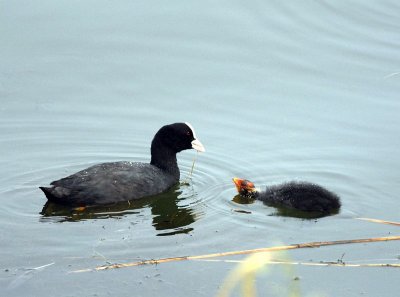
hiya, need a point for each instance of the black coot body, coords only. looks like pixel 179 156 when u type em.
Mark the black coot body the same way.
pixel 304 196
pixel 113 182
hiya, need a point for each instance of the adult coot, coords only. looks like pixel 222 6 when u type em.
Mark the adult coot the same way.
pixel 113 182
pixel 302 196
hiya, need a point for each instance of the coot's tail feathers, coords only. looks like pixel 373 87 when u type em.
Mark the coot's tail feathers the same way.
pixel 47 192
pixel 50 195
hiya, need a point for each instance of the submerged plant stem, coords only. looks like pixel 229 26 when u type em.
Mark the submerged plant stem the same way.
pixel 189 176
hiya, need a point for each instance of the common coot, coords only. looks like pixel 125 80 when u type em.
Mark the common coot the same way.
pixel 113 182
pixel 302 196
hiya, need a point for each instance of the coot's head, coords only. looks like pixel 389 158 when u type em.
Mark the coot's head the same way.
pixel 245 187
pixel 178 137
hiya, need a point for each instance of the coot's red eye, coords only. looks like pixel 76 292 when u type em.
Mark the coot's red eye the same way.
pixel 188 133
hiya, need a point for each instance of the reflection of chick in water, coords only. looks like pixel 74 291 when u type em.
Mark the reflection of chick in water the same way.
pixel 167 215
pixel 301 196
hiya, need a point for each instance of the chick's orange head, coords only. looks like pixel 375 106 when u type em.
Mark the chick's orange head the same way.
pixel 243 185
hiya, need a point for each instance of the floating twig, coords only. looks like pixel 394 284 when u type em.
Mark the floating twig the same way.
pixel 379 221
pixel 391 74
pixel 41 267
pixel 321 263
pixel 243 252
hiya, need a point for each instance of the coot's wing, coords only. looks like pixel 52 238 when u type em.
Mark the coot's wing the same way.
pixel 111 182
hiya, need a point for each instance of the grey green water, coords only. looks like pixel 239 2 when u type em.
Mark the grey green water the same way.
pixel 275 90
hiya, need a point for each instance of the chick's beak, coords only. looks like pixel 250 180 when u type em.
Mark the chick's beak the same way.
pixel 198 146
pixel 238 183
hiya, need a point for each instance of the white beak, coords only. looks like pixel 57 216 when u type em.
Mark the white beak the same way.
pixel 197 145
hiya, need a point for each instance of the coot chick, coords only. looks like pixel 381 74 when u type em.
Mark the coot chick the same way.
pixel 303 196
pixel 113 182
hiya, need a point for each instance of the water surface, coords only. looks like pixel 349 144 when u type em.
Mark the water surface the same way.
pixel 275 91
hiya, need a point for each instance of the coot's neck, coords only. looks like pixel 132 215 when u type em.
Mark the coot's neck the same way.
pixel 164 158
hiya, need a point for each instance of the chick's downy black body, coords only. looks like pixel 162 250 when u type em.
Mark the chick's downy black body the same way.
pixel 303 196
pixel 114 182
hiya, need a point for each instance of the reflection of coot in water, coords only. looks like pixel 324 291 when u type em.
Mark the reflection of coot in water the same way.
pixel 167 215
pixel 114 182
pixel 300 196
